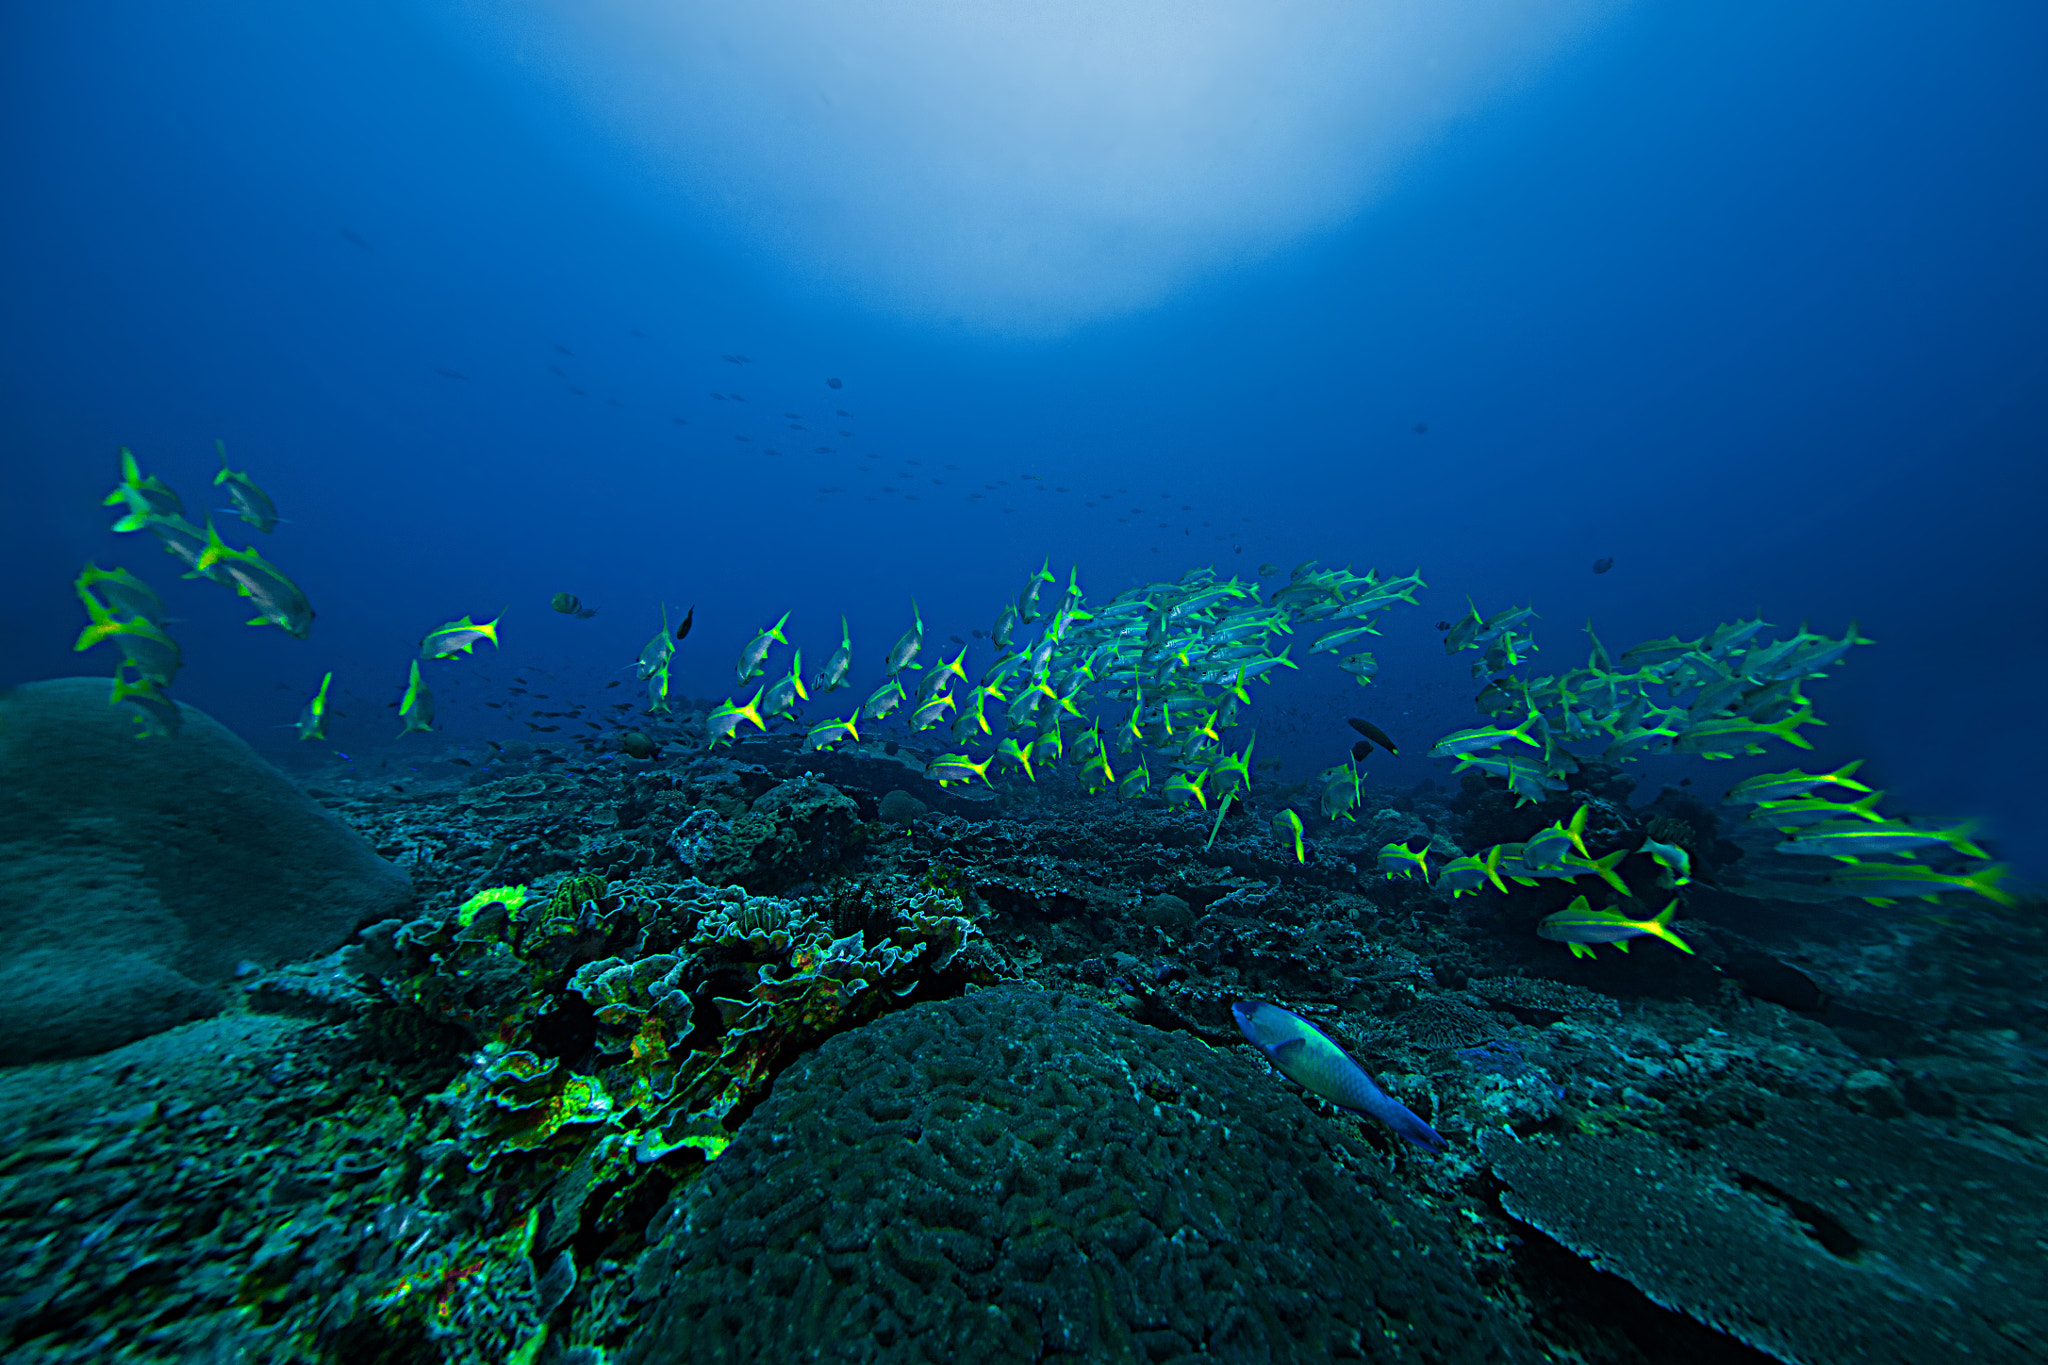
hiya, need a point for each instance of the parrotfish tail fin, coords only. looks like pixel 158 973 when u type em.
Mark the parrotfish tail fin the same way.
pixel 1605 867
pixel 1411 1126
pixel 1661 927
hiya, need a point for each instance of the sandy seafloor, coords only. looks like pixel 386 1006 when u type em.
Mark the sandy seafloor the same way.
pixel 1822 1137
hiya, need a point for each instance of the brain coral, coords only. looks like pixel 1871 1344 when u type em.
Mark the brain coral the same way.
pixel 1016 1174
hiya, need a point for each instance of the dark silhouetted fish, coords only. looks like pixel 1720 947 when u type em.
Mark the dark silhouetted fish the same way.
pixel 1361 751
pixel 1421 428
pixel 683 630
pixel 834 384
pixel 1373 733
pixel 1603 565
pixel 450 374
pixel 356 238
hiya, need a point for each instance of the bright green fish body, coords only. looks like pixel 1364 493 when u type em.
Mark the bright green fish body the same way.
pixel 155 715
pixel 840 664
pixel 903 654
pixel 1468 875
pixel 252 504
pixel 948 768
pixel 278 600
pixel 1675 861
pixel 143 643
pixel 1579 926
pixel 118 593
pixel 1019 754
pixel 1287 825
pixel 312 720
pixel 787 691
pixel 1814 810
pixel 654 658
pixel 1785 786
pixel 1400 862
pixel 726 718
pixel 829 732
pixel 1740 735
pixel 457 637
pixel 932 712
pixel 416 707
pixel 1888 883
pixel 1853 840
pixel 147 498
pixel 756 653
pixel 883 700
pixel 1487 737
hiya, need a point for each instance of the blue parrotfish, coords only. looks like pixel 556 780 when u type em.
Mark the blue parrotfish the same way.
pixel 1305 1055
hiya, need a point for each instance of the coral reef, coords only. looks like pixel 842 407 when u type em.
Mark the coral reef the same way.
pixel 681 995
pixel 1018 1174
pixel 1815 1235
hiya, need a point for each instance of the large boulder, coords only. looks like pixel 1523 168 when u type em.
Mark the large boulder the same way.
pixel 136 875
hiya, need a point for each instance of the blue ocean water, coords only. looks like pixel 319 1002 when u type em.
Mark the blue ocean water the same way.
pixel 1651 316
pixel 1747 301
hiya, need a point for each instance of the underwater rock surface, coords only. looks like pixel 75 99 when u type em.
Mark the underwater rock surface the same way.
pixel 1018 1174
pixel 1816 1236
pixel 141 875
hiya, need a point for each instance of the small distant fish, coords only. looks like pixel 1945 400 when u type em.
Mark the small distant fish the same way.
pixel 354 239
pixel 563 349
pixel 1373 733
pixel 569 604
pixel 1307 1056
pixel 683 630
pixel 1361 751
pixel 449 374
pixel 638 745
pixel 1420 428
pixel 834 384
pixel 735 360
pixel 1604 564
